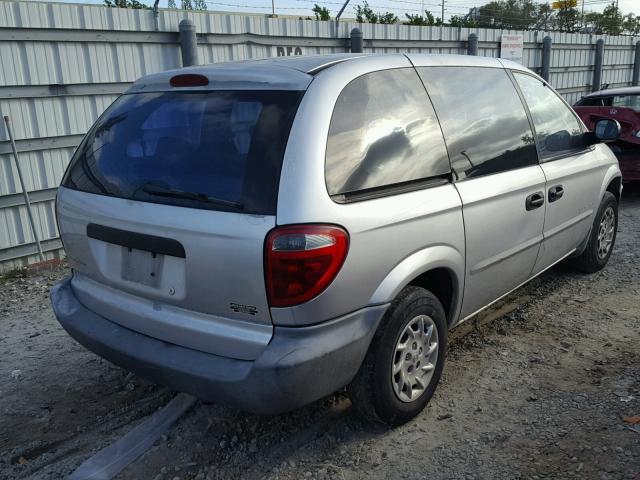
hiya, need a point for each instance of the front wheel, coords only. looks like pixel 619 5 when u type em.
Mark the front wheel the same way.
pixel 601 238
pixel 405 360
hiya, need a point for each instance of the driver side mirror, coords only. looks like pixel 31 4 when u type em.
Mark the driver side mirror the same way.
pixel 606 130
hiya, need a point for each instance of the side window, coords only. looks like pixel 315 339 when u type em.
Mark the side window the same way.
pixel 484 122
pixel 557 129
pixel 593 102
pixel 383 132
pixel 627 101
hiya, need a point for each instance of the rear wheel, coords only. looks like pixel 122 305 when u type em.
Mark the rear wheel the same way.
pixel 405 360
pixel 601 238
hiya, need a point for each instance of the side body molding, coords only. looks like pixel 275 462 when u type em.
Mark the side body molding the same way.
pixel 430 258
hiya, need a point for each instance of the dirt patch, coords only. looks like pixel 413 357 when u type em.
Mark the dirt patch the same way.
pixel 541 392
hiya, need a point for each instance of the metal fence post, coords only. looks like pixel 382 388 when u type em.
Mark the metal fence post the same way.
pixel 188 43
pixel 25 194
pixel 546 57
pixel 597 70
pixel 635 79
pixel 356 41
pixel 472 44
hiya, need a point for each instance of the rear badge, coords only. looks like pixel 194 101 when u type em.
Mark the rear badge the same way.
pixel 246 309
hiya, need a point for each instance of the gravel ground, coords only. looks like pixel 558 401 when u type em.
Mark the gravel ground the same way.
pixel 540 392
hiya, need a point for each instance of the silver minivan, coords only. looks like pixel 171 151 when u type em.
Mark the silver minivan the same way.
pixel 265 233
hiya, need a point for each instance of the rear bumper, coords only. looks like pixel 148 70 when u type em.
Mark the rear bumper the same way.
pixel 300 365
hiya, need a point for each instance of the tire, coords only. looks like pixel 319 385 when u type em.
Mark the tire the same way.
pixel 375 391
pixel 592 258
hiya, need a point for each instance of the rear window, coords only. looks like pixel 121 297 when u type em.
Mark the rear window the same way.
pixel 219 150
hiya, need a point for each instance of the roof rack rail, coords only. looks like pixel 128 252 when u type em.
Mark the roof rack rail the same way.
pixel 324 66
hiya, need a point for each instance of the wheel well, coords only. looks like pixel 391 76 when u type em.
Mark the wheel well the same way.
pixel 614 187
pixel 440 282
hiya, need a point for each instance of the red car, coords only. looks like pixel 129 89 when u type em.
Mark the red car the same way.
pixel 623 105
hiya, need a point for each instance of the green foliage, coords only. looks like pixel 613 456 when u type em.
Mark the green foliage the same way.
pixel 20 272
pixel 188 4
pixel 429 20
pixel 321 13
pixel 610 21
pixel 365 14
pixel 631 24
pixel 126 4
pixel 506 14
pixel 426 21
pixel 387 18
pixel 463 22
pixel 510 14
pixel 199 4
pixel 567 19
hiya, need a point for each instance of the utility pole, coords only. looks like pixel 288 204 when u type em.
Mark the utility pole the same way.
pixel 273 8
pixel 339 15
pixel 442 23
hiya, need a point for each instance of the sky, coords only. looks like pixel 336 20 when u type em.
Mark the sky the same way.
pixel 399 7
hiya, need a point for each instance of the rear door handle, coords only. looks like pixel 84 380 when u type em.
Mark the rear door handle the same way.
pixel 555 193
pixel 535 200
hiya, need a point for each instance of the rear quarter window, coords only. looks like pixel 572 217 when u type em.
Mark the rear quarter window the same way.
pixel 218 150
pixel 383 132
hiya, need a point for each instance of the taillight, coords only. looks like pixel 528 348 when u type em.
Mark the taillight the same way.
pixel 301 261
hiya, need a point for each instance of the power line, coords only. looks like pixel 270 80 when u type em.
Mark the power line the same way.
pixel 445 5
pixel 377 7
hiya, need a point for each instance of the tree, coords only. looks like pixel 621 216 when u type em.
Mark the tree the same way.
pixel 464 22
pixel 610 21
pixel 545 16
pixel 199 4
pixel 321 13
pixel 387 18
pixel 567 18
pixel 188 4
pixel 126 4
pixel 631 24
pixel 509 14
pixel 365 14
pixel 427 20
pixel 593 22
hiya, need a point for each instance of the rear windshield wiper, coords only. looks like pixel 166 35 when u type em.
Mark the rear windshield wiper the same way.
pixel 201 197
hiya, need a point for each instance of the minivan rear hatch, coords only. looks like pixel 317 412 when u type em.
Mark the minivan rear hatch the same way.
pixel 164 210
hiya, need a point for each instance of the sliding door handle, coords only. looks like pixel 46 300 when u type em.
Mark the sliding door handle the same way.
pixel 535 200
pixel 555 193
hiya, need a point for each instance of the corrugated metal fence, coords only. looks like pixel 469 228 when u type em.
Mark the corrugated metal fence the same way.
pixel 61 65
